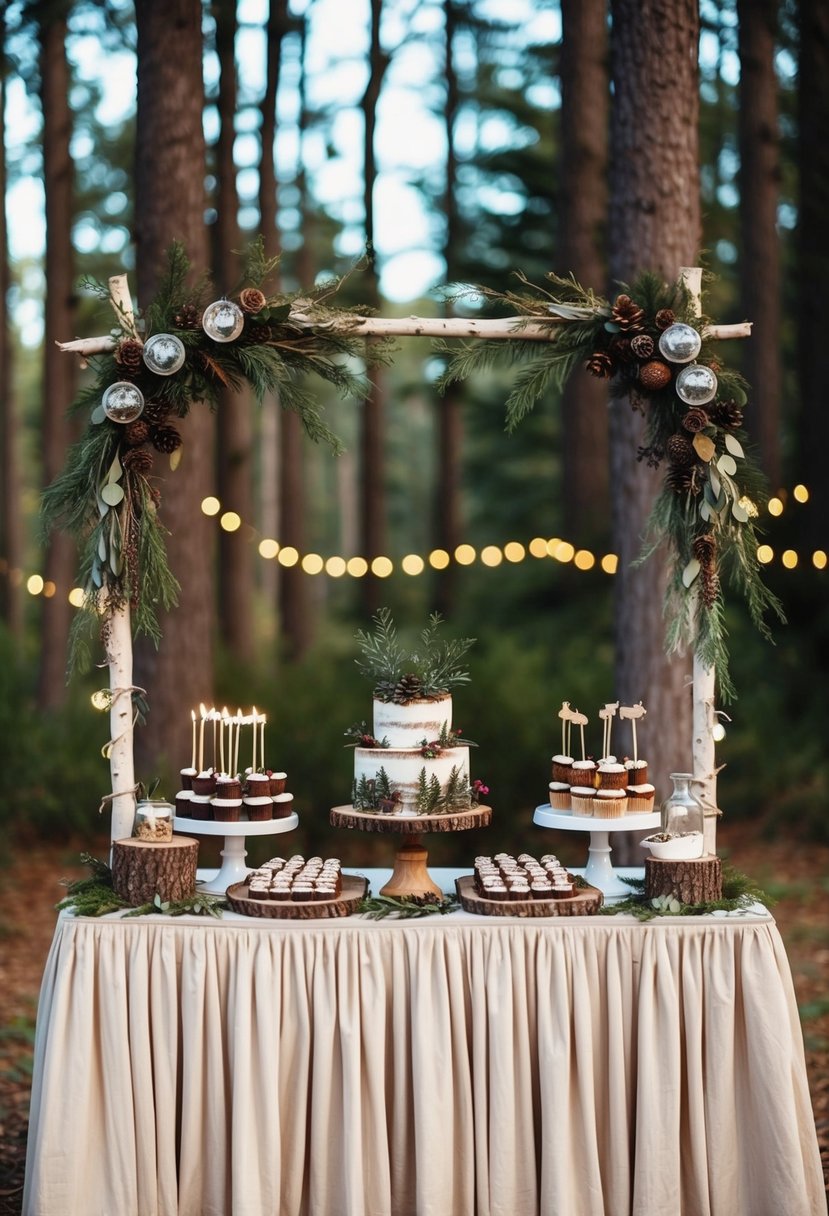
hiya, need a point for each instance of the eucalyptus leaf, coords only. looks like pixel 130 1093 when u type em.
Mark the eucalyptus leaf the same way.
pixel 102 507
pixel 739 512
pixel 711 495
pixel 116 563
pixel 102 546
pixel 734 446
pixel 727 464
pixel 716 484
pixel 175 459
pixel 112 493
pixel 611 327
pixel 95 573
pixel 690 572
pixel 115 470
pixel 740 396
pixel 571 312
pixel 705 511
pixel 98 415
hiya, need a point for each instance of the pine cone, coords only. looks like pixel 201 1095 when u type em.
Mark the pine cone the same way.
pixel 627 314
pixel 155 412
pixel 642 346
pixel 128 354
pixel 680 451
pixel 664 318
pixel 137 432
pixel 600 364
pixel 408 688
pixel 683 480
pixel 252 300
pixel 704 548
pixel 695 420
pixel 728 414
pixel 138 460
pixel 654 375
pixel 165 438
pixel 255 334
pixel 187 317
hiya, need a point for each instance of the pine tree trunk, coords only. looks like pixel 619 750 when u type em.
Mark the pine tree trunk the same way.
pixel 760 272
pixel 58 371
pixel 585 107
pixel 655 224
pixel 813 261
pixel 234 423
pixel 691 882
pixel 11 592
pixel 170 167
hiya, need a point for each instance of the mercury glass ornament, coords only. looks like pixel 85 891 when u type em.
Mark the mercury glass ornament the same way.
pixel 163 354
pixel 122 402
pixel 679 343
pixel 696 385
pixel 223 321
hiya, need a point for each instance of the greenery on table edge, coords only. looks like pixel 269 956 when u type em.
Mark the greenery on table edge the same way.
pixel 739 893
pixel 377 907
pixel 708 504
pixel 94 896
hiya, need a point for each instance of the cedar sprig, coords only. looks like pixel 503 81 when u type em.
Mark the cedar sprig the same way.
pixel 377 907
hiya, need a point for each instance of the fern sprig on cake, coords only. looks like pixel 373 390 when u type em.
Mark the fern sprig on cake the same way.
pixel 399 675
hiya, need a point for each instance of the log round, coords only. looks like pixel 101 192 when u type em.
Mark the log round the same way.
pixel 697 881
pixel 141 870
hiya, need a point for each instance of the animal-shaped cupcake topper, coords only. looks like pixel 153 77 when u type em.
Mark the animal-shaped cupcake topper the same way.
pixel 607 714
pixel 632 713
pixel 579 720
pixel 566 715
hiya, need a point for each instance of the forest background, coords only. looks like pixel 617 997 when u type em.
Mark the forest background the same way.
pixel 457 141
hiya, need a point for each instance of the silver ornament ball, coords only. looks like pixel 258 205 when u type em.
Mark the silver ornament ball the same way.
pixel 164 354
pixel 679 343
pixel 223 321
pixel 122 402
pixel 696 385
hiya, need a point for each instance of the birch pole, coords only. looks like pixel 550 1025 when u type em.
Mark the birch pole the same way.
pixel 117 639
pixel 704 762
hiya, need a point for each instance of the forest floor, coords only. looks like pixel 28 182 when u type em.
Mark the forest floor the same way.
pixel 797 876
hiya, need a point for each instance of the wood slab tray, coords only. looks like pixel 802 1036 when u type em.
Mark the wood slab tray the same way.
pixel 410 825
pixel 353 893
pixel 585 902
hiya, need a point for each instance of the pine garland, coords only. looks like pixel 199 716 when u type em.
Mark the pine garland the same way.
pixel 94 896
pixel 739 894
pixel 377 907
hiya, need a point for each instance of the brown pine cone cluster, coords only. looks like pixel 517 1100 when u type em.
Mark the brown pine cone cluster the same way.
pixel 128 355
pixel 600 364
pixel 138 460
pixel 664 318
pixel 136 433
pixel 695 420
pixel 627 314
pixel 187 317
pixel 642 346
pixel 683 480
pixel 252 300
pixel 680 451
pixel 728 414
pixel 704 549
pixel 155 412
pixel 165 439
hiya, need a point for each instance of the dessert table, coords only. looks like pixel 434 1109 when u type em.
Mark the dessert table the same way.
pixel 451 1066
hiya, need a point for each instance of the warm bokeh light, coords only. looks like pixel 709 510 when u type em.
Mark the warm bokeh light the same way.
pixel 412 564
pixel 288 556
pixel 49 589
pixel 439 559
pixel 565 552
pixel 357 567
pixel 230 521
pixel 336 567
pixel 819 559
pixel 789 559
pixel 538 547
pixel 718 732
pixel 775 506
pixel 211 506
pixel 749 506
pixel 765 553
pixel 610 563
pixel 584 560
pixel 312 563
pixel 552 545
pixel 514 551
pixel 101 699
pixel 34 584
pixel 76 597
pixel 491 555
pixel 464 555
pixel 382 567
pixel 800 493
pixel 268 548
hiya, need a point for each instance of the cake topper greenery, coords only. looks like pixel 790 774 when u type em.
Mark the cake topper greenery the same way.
pixel 400 675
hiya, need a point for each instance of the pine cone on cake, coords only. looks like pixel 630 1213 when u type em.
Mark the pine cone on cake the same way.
pixel 136 433
pixel 165 439
pixel 627 314
pixel 600 364
pixel 407 688
pixel 654 375
pixel 187 317
pixel 680 451
pixel 252 300
pixel 128 355
pixel 664 318
pixel 695 420
pixel 138 460
pixel 642 346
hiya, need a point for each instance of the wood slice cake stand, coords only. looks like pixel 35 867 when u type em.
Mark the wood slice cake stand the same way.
pixel 586 901
pixel 410 877
pixel 233 868
pixel 351 896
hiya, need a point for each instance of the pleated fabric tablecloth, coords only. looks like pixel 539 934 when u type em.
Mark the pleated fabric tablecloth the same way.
pixel 455 1066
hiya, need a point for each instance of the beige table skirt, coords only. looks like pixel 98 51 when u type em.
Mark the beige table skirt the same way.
pixel 446 1067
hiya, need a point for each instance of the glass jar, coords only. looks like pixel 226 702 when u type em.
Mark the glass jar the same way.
pixel 682 814
pixel 153 820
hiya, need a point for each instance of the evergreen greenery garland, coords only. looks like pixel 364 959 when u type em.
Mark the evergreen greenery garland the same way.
pixel 94 896
pixel 739 894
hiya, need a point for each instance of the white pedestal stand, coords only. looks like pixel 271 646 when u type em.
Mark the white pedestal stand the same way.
pixel 233 868
pixel 599 872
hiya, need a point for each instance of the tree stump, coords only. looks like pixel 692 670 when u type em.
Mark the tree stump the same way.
pixel 141 870
pixel 697 881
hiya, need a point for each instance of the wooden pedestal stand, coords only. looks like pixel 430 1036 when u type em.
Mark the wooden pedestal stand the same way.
pixel 410 877
pixel 141 870
pixel 697 881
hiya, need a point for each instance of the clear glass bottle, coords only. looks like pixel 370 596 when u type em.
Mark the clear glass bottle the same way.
pixel 682 813
pixel 153 820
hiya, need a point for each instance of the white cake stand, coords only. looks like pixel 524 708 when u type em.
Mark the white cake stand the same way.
pixel 233 867
pixel 599 872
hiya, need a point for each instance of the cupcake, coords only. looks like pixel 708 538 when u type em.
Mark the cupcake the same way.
pixel 283 805
pixel 187 775
pixel 563 890
pixel 228 787
pixel 278 782
pixel 541 889
pixel 584 772
pixel 562 769
pixel 637 771
pixel 559 796
pixel 258 785
pixel 183 808
pixel 610 804
pixel 200 806
pixel 226 810
pixel 582 798
pixel 611 776
pixel 259 809
pixel 640 799
pixel 204 783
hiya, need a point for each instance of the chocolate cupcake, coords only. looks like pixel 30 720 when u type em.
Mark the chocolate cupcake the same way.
pixel 278 782
pixel 227 810
pixel 200 805
pixel 204 783
pixel 563 769
pixel 611 776
pixel 187 775
pixel 184 809
pixel 228 787
pixel 259 809
pixel 283 805
pixel 640 799
pixel 610 804
pixel 637 771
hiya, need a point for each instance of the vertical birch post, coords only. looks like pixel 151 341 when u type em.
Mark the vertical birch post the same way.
pixel 704 759
pixel 117 639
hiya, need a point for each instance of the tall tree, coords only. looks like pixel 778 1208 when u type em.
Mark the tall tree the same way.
pixel 169 179
pixel 11 597
pixel 233 417
pixel 760 272
pixel 585 105
pixel 58 372
pixel 654 225
pixel 813 259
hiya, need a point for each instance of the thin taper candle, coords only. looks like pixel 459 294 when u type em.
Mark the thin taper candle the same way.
pixel 193 758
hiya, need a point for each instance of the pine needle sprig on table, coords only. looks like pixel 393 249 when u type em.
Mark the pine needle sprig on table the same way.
pixel 378 907
pixel 739 894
